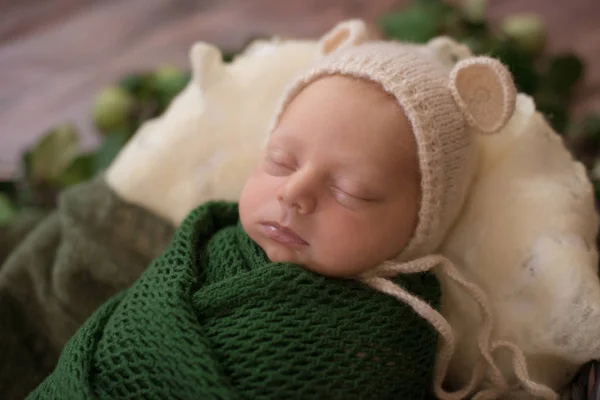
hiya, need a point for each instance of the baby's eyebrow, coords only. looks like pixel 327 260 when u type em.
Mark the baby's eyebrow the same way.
pixel 369 175
pixel 365 177
pixel 283 142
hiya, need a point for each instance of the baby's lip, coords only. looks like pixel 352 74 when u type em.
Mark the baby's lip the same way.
pixel 283 234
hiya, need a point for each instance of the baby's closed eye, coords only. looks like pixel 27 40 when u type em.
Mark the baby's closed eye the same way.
pixel 355 194
pixel 279 163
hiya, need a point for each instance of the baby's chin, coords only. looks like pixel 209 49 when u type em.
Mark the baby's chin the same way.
pixel 302 259
pixel 279 253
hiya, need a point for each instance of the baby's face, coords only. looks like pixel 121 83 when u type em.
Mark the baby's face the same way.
pixel 338 188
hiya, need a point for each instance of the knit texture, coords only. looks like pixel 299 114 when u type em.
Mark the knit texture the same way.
pixel 91 247
pixel 419 82
pixel 212 318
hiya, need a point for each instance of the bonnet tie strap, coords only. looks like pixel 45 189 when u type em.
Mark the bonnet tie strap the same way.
pixel 379 280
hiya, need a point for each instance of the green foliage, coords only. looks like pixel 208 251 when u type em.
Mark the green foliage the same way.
pixel 7 210
pixel 418 22
pixel 56 161
pixel 563 73
pixel 528 32
pixel 81 169
pixel 591 127
pixel 108 150
pixel 113 110
pixel 53 153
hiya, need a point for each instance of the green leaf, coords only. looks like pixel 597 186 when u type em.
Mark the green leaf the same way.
pixel 525 76
pixel 564 71
pixel 80 170
pixel 169 81
pixel 474 10
pixel 26 163
pixel 113 110
pixel 455 26
pixel 7 211
pixel 419 22
pixel 228 56
pixel 520 64
pixel 479 30
pixel 597 196
pixel 53 153
pixel 589 128
pixel 147 109
pixel 140 86
pixel 583 140
pixel 554 107
pixel 527 30
pixel 591 124
pixel 478 44
pixel 134 83
pixel 113 143
pixel 9 189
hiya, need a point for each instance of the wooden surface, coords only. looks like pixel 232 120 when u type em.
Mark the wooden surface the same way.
pixel 56 54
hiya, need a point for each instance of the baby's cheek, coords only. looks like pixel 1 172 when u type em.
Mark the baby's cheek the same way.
pixel 346 245
pixel 250 199
pixel 374 240
pixel 394 234
pixel 255 190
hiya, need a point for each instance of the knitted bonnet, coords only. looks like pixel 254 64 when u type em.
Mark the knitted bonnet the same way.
pixel 446 105
pixel 441 116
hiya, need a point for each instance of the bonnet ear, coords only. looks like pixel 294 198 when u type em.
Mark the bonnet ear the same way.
pixel 207 64
pixel 448 50
pixel 345 34
pixel 485 92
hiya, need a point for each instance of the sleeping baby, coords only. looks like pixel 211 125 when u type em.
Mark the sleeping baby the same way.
pixel 321 283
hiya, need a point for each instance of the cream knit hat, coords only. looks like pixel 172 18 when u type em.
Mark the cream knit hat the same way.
pixel 439 117
pixel 446 107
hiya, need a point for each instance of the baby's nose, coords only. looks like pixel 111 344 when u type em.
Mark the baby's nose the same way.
pixel 298 193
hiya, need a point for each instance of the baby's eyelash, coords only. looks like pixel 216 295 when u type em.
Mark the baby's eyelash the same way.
pixel 281 164
pixel 357 197
pixel 277 168
pixel 280 157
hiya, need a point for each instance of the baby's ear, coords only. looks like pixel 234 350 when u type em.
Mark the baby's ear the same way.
pixel 484 90
pixel 207 64
pixel 345 34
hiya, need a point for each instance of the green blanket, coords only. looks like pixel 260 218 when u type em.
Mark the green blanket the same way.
pixel 213 318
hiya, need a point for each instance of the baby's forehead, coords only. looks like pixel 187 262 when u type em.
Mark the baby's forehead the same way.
pixel 344 98
pixel 351 118
pixel 361 88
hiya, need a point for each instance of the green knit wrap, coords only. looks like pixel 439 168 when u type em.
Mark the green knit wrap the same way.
pixel 213 318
